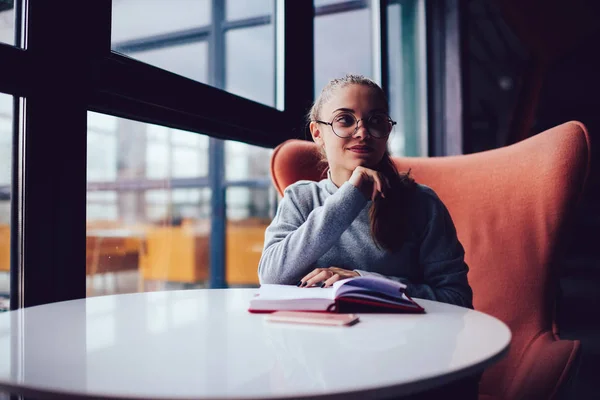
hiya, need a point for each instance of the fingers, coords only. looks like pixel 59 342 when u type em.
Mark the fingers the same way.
pixel 318 275
pixel 325 277
pixel 309 276
pixel 332 280
pixel 370 182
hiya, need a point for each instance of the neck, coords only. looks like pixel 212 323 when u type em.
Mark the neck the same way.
pixel 339 176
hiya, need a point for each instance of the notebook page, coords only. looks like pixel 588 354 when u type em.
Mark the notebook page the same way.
pixel 371 283
pixel 291 292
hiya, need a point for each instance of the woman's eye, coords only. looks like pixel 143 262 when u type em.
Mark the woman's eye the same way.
pixel 377 119
pixel 344 119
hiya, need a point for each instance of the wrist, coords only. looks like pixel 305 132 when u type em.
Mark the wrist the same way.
pixel 356 180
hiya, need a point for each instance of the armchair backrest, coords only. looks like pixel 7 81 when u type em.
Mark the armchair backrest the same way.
pixel 510 207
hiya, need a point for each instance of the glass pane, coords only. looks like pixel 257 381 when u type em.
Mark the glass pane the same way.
pixel 250 209
pixel 342 45
pixel 189 60
pixel 244 161
pixel 396 143
pixel 146 229
pixel 407 87
pixel 175 36
pixel 240 9
pixel 141 19
pixel 250 63
pixel 175 153
pixel 6 129
pixel 7 22
pixel 248 215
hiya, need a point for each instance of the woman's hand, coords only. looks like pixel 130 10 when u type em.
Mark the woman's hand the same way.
pixel 370 182
pixel 326 276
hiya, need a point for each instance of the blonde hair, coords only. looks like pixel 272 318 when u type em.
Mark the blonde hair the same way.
pixel 387 216
pixel 338 83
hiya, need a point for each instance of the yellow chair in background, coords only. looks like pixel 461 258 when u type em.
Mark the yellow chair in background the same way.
pixel 175 253
pixel 245 239
pixel 182 253
pixel 4 248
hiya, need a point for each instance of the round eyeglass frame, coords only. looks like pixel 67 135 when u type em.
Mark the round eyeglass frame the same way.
pixel 356 128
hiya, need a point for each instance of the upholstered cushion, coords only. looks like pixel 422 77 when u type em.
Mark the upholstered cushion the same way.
pixel 510 207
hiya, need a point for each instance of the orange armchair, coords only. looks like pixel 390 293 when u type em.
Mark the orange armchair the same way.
pixel 510 207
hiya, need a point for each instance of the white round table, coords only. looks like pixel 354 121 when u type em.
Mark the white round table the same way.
pixel 205 344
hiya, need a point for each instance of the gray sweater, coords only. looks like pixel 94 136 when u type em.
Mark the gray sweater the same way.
pixel 320 225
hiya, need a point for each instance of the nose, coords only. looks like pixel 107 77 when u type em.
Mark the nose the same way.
pixel 361 129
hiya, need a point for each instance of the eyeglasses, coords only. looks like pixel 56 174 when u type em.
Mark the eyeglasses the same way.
pixel 345 125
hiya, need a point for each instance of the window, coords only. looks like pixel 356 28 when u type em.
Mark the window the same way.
pixel 7 22
pixel 149 207
pixel 245 76
pixel 6 129
pixel 140 19
pixel 343 44
pixel 407 90
pixel 251 203
pixel 177 36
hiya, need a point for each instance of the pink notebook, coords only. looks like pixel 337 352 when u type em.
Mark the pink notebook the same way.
pixel 359 294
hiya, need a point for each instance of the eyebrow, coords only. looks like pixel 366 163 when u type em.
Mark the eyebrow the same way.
pixel 352 111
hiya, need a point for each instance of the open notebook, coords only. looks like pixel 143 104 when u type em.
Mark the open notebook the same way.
pixel 359 294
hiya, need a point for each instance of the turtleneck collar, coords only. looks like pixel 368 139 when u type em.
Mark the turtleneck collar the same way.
pixel 329 185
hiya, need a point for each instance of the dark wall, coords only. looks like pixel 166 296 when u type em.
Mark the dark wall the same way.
pixel 570 92
pixel 553 68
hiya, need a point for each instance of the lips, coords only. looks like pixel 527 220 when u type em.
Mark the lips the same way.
pixel 361 149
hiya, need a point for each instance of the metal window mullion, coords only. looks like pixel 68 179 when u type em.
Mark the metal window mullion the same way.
pixel 247 23
pixel 341 7
pixel 50 181
pixel 164 40
pixel 279 48
pixel 298 26
pixel 380 40
pixel 217 154
pixel 376 38
pixel 15 215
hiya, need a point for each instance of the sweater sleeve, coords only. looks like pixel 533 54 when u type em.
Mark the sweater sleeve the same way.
pixel 441 259
pixel 293 243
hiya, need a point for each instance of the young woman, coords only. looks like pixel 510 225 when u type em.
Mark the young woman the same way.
pixel 366 218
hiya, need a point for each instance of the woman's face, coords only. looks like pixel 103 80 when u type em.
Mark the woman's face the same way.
pixel 361 148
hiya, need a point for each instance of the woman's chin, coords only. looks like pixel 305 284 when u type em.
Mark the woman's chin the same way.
pixel 363 162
